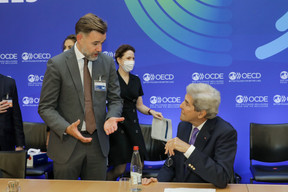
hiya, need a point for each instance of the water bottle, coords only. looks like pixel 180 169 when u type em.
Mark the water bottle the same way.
pixel 136 170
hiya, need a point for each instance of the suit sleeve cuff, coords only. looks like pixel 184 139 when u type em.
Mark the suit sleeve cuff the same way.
pixel 189 151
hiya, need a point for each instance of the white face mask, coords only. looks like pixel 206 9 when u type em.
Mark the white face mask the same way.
pixel 128 65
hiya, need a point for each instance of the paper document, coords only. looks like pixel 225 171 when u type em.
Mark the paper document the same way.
pixel 161 129
pixel 188 190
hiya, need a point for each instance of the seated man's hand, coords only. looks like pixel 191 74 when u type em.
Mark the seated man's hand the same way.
pixel 176 144
pixel 146 181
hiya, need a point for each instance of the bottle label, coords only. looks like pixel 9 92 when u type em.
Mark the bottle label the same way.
pixel 136 178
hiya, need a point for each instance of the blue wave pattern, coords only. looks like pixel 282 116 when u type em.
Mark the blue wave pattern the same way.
pixel 277 45
pixel 194 30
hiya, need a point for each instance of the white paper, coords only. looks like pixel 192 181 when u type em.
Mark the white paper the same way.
pixel 161 129
pixel 188 190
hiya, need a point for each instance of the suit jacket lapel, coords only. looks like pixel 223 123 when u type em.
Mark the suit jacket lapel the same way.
pixel 201 139
pixel 95 75
pixel 186 137
pixel 73 67
pixel 187 132
pixel 203 136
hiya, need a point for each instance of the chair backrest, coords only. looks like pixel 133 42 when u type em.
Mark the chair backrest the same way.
pixel 154 147
pixel 268 142
pixel 35 135
pixel 13 164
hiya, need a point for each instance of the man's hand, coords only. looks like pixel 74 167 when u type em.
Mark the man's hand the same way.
pixel 4 105
pixel 110 125
pixel 146 181
pixel 74 132
pixel 18 148
pixel 176 144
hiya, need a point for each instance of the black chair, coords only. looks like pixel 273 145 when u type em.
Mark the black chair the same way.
pixel 156 153
pixel 13 164
pixel 35 137
pixel 269 145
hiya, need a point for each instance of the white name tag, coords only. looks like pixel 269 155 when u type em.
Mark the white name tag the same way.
pixel 99 85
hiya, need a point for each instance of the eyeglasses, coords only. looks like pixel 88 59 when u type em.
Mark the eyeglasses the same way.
pixel 169 160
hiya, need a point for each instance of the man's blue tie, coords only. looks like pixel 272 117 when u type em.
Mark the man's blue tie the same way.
pixel 194 135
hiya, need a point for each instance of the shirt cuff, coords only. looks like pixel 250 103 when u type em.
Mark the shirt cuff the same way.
pixel 189 151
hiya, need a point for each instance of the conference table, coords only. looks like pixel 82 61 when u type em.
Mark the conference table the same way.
pixel 41 185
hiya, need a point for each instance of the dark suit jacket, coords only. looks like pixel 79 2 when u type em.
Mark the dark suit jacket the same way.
pixel 11 125
pixel 213 158
pixel 62 101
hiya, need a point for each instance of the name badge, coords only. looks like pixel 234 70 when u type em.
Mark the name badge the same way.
pixel 99 85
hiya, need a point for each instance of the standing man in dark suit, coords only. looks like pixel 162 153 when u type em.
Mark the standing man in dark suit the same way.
pixel 78 86
pixel 11 124
pixel 205 147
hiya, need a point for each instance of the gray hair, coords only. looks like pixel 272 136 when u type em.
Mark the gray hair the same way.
pixel 205 97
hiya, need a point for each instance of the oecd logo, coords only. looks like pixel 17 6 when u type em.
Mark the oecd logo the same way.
pixel 35 56
pixel 197 76
pixel 251 99
pixel 146 77
pixel 154 100
pixel 18 1
pixel 109 53
pixel 241 99
pixel 284 75
pixel 35 78
pixel 158 77
pixel 8 56
pixel 30 100
pixel 280 99
pixel 233 75
pixel 207 76
pixel 247 76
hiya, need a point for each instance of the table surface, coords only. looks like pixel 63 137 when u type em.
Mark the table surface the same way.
pixel 36 185
pixel 267 188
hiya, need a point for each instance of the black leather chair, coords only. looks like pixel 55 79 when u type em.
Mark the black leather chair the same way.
pixel 269 144
pixel 35 137
pixel 13 164
pixel 156 153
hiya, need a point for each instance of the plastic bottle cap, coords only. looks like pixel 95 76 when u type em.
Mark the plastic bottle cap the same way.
pixel 135 148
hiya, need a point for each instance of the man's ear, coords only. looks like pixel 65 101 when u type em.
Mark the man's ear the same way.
pixel 202 114
pixel 79 37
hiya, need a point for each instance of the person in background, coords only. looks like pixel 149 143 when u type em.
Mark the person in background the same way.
pixel 205 147
pixel 69 42
pixel 80 102
pixel 129 132
pixel 11 124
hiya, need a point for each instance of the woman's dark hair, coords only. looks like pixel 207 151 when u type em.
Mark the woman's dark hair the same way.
pixel 121 50
pixel 71 37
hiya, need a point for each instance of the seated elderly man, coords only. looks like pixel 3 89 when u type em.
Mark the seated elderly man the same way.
pixel 205 147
